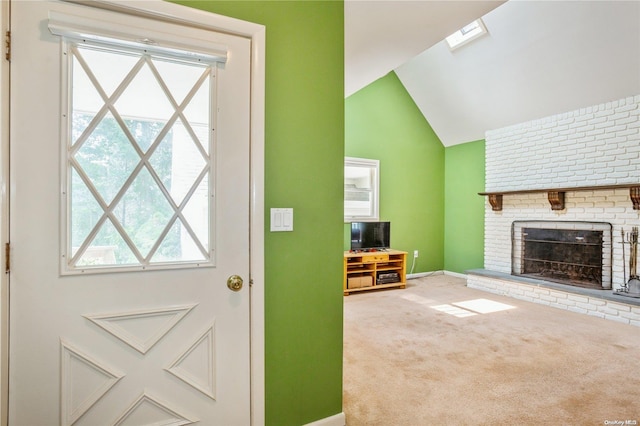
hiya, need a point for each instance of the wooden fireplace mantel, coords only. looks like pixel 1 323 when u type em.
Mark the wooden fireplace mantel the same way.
pixel 556 196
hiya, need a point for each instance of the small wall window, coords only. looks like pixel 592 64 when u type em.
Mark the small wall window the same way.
pixel 361 189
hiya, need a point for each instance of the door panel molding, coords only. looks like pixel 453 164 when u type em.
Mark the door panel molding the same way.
pixel 147 403
pixel 77 367
pixel 205 379
pixel 122 325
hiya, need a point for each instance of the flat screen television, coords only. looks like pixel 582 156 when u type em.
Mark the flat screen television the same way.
pixel 370 235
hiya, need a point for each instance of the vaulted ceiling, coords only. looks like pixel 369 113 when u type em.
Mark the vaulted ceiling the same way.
pixel 539 58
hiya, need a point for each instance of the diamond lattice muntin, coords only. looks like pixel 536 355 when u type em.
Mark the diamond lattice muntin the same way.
pixel 139 165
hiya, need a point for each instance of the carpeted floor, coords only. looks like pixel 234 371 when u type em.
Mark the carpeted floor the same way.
pixel 412 357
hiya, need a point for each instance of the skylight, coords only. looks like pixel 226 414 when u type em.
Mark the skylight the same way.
pixel 466 34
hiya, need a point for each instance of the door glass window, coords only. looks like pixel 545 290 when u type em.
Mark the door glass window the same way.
pixel 138 159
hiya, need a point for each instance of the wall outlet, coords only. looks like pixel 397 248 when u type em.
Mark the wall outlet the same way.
pixel 415 253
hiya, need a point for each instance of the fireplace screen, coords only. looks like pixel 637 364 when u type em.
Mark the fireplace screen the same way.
pixel 574 253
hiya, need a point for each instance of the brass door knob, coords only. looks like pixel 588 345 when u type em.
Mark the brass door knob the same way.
pixel 234 282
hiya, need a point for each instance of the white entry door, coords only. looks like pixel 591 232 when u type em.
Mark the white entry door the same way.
pixel 129 220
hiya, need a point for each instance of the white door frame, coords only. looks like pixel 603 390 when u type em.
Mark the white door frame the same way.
pixel 164 11
pixel 4 218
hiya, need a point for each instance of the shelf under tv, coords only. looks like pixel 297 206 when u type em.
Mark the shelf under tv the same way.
pixel 361 270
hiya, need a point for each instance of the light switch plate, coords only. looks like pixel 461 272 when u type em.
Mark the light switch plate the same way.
pixel 281 220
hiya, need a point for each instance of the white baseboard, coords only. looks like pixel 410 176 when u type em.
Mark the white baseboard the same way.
pixel 456 274
pixel 423 274
pixel 335 420
pixel 428 274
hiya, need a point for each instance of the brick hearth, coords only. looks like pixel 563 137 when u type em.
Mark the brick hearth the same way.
pixel 598 303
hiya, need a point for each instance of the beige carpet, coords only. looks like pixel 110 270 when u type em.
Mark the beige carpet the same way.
pixel 412 357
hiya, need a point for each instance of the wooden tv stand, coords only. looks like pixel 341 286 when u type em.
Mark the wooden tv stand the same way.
pixel 365 270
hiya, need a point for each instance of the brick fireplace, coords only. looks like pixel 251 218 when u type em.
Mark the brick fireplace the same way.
pixel 575 168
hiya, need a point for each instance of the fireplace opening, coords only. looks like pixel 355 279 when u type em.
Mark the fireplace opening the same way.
pixel 574 253
pixel 563 255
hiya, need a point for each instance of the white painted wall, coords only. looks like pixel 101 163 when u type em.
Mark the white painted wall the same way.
pixel 539 58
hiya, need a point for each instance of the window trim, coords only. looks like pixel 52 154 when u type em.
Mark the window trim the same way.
pixel 191 47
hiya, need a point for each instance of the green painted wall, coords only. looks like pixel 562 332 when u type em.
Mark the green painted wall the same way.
pixel 464 208
pixel 428 192
pixel 304 170
pixel 382 122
